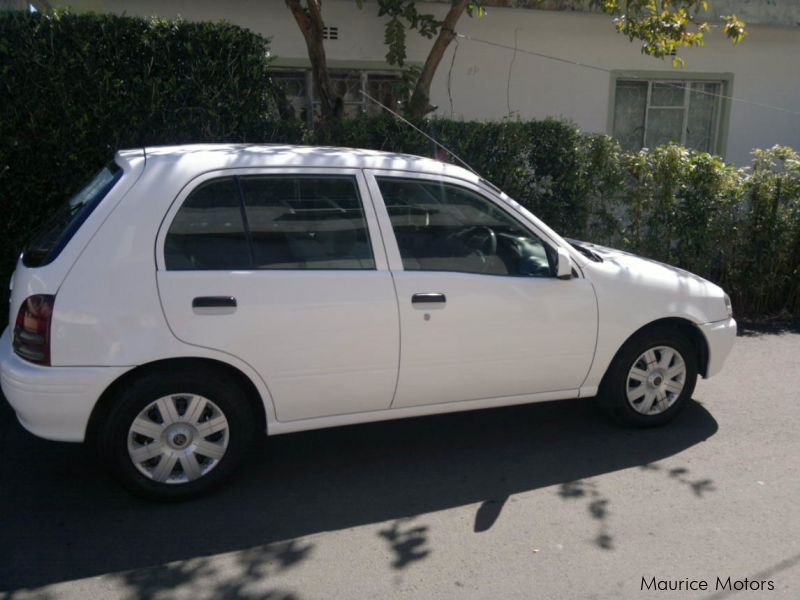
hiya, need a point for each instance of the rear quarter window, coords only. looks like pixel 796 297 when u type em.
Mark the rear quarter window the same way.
pixel 49 240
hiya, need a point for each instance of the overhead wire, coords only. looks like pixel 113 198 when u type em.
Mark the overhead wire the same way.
pixel 516 49
pixel 583 65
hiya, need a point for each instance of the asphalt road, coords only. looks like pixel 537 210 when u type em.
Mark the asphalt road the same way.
pixel 542 501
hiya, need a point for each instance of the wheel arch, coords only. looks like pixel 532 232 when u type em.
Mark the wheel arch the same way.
pixel 686 327
pixel 103 405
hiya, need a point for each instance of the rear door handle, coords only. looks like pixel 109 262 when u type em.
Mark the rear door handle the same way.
pixel 428 299
pixel 214 305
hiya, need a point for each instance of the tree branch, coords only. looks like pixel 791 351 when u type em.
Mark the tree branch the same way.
pixel 309 20
pixel 419 105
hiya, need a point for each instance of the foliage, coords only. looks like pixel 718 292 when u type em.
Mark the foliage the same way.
pixel 737 227
pixel 74 88
pixel 405 15
pixel 767 263
pixel 546 165
pixel 665 26
pixel 402 15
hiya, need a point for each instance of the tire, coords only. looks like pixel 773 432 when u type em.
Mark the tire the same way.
pixel 661 381
pixel 175 435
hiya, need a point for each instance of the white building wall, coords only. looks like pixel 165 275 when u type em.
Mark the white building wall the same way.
pixel 765 68
pixel 771 12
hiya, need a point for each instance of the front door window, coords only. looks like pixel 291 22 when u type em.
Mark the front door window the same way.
pixel 444 227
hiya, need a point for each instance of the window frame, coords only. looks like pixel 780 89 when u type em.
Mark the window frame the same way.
pixel 364 71
pixel 394 257
pixel 370 218
pixel 73 222
pixel 722 117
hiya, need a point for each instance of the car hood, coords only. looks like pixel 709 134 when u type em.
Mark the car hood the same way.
pixel 599 253
pixel 650 280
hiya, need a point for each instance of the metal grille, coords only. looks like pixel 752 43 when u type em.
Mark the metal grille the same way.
pixel 303 100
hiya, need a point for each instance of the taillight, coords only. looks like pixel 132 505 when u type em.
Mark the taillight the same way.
pixel 32 330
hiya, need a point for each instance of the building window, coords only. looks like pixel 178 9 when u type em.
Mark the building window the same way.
pixel 650 113
pixel 295 86
pixel 303 102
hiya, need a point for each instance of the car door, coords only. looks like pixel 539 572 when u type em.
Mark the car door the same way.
pixel 482 314
pixel 286 271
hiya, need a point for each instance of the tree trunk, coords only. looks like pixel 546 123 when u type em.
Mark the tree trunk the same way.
pixel 419 105
pixel 310 22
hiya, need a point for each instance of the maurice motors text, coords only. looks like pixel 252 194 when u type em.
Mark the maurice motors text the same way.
pixel 728 584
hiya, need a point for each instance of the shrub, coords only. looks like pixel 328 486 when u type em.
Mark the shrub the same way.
pixel 75 88
pixel 766 263
pixel 737 227
pixel 678 205
pixel 548 166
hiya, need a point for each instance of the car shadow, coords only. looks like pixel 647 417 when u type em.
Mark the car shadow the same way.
pixel 63 519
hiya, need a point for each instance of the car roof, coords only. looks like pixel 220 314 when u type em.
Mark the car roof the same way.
pixel 230 156
pixel 188 161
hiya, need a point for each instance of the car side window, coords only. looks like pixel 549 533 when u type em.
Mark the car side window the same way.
pixel 208 231
pixel 306 222
pixel 271 222
pixel 444 227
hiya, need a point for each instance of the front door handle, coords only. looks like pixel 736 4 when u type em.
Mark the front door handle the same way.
pixel 428 299
pixel 214 305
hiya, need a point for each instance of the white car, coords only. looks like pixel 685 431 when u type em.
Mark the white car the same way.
pixel 189 297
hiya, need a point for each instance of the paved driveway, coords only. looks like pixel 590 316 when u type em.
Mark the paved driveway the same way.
pixel 542 501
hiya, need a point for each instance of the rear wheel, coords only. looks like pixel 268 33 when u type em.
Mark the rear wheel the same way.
pixel 651 378
pixel 174 435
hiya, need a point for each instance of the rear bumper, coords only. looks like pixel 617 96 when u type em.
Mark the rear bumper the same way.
pixel 52 402
pixel 720 336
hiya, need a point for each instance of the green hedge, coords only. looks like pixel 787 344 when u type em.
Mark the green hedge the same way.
pixel 75 88
pixel 565 177
pixel 737 227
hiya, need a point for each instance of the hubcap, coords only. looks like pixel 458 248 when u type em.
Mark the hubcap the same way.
pixel 179 435
pixel 178 438
pixel 656 380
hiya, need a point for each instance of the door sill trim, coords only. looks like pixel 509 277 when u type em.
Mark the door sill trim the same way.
pixel 281 427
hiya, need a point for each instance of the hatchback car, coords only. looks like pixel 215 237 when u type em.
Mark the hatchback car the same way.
pixel 189 297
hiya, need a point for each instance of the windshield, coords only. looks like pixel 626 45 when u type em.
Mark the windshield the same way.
pixel 48 241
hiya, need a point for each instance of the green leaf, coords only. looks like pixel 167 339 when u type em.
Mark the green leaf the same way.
pixel 395 40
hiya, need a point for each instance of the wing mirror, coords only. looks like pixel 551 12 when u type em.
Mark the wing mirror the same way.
pixel 564 265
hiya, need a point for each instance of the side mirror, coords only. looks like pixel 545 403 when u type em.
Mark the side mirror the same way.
pixel 564 266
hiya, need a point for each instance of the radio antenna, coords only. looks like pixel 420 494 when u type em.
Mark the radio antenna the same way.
pixel 418 130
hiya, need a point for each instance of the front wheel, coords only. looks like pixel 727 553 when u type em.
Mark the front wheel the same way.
pixel 174 435
pixel 651 378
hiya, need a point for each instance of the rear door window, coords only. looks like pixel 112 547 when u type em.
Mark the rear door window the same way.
pixel 306 222
pixel 208 231
pixel 299 222
pixel 51 238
